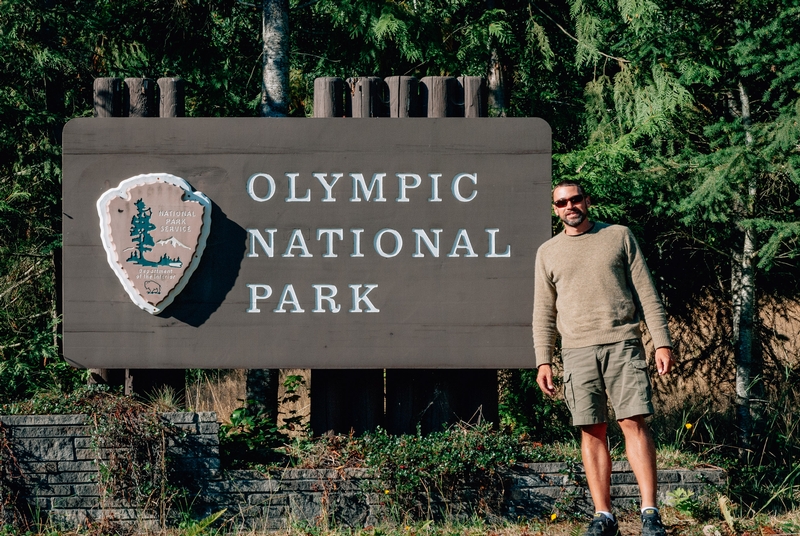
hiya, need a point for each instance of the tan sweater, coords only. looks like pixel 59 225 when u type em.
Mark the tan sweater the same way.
pixel 594 289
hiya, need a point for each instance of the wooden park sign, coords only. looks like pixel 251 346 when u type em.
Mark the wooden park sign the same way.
pixel 313 243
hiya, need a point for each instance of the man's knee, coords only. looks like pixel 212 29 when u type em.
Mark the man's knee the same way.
pixel 595 430
pixel 636 422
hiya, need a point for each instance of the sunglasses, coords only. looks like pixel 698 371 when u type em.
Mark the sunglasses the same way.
pixel 575 199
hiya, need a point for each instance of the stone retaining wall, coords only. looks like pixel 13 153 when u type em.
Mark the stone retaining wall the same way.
pixel 54 477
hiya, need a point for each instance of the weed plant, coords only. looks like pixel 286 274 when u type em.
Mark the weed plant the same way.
pixel 130 439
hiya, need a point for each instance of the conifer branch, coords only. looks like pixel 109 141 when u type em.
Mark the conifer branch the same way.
pixel 621 60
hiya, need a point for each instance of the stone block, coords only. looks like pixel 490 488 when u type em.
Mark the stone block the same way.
pixel 50 491
pixel 267 499
pixel 83 454
pixel 703 476
pixel 82 466
pixel 625 490
pixel 552 492
pixel 623 478
pixel 44 449
pixel 25 432
pixel 180 417
pixel 41 503
pixel 84 443
pixel 72 477
pixel 534 480
pixel 269 519
pixel 198 466
pixel 519 495
pixel 625 504
pixel 86 490
pixel 668 476
pixel 207 416
pixel 620 466
pixel 43 420
pixel 243 486
pixel 209 428
pixel 75 502
pixel 36 469
pixel 312 486
pixel 544 467
pixel 304 506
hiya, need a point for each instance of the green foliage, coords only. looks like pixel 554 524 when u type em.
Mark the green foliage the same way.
pixel 133 465
pixel 129 437
pixel 683 501
pixel 10 479
pixel 526 410
pixel 51 53
pixel 250 438
pixel 416 470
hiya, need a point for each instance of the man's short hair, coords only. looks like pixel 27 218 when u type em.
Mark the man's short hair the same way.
pixel 571 182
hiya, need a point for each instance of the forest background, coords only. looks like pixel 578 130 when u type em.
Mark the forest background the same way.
pixel 682 117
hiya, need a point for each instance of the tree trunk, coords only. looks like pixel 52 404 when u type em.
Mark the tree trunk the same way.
pixel 262 384
pixel 497 90
pixel 743 293
pixel 262 391
pixel 275 74
pixel 494 78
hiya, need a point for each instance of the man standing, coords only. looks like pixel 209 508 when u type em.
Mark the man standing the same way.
pixel 593 288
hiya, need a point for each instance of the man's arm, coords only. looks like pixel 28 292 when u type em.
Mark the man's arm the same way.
pixel 646 296
pixel 664 360
pixel 544 312
pixel 544 377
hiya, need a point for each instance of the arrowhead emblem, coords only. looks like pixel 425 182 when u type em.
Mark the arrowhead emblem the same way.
pixel 154 229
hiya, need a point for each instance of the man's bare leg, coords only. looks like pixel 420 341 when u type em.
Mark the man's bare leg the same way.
pixel 641 453
pixel 597 465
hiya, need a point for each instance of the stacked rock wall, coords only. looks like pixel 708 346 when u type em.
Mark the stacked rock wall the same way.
pixel 50 472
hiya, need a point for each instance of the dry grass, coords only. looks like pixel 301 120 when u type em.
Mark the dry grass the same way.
pixel 677 525
pixel 221 391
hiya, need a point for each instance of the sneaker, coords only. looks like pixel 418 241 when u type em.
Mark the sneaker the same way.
pixel 651 523
pixel 601 525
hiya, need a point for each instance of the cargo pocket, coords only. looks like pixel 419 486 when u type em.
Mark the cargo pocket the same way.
pixel 642 379
pixel 569 391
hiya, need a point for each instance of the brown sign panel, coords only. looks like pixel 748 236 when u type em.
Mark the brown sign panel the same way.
pixel 318 243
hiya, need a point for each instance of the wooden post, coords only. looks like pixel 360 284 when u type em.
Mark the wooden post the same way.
pixel 107 97
pixel 438 94
pixel 141 102
pixel 475 96
pixel 351 399
pixel 345 400
pixel 328 97
pixel 436 398
pixel 172 97
pixel 403 96
pixel 107 103
pixel 140 99
pixel 364 97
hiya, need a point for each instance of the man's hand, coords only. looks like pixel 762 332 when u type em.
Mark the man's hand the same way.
pixel 664 360
pixel 544 377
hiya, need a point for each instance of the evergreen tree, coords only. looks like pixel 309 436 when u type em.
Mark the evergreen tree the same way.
pixel 140 232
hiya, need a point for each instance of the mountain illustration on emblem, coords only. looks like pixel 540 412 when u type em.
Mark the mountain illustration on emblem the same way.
pixel 140 231
pixel 154 229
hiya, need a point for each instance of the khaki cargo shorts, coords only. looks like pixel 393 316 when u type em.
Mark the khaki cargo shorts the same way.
pixel 594 374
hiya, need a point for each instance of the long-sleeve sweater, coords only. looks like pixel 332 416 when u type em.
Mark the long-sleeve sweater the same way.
pixel 594 289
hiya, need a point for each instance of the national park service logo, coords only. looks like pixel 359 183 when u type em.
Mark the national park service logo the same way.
pixel 154 229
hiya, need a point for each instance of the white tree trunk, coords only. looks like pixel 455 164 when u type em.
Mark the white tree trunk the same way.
pixel 275 74
pixel 497 90
pixel 743 291
pixel 262 384
pixel 494 78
